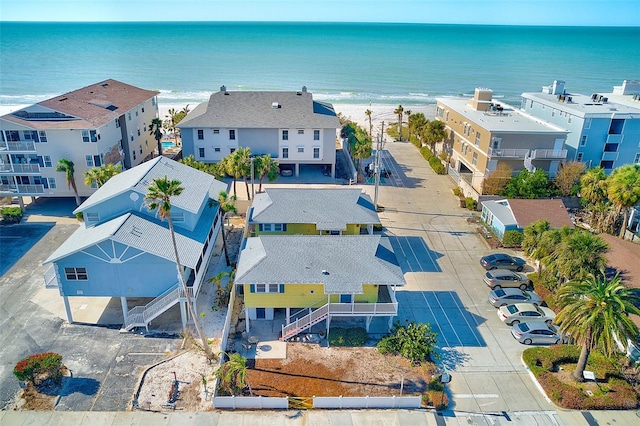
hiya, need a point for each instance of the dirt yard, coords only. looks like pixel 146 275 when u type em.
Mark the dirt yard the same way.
pixel 310 370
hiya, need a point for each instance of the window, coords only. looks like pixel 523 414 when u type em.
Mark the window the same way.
pixel 200 134
pixel 216 149
pixel 316 135
pixel 138 131
pixel 346 298
pixel 52 183
pixel 301 149
pixel 142 109
pixel 285 152
pixel 272 227
pixel 478 137
pixel 606 164
pixel 587 123
pixel 583 140
pixel 89 136
pixel 637 159
pixel 474 161
pixel 75 274
pixel 267 288
pixel 616 126
pixel 316 152
pixel 153 101
pixel 136 113
pixel 134 154
pixel 117 123
pixel 232 150
pixel 232 135
pixel 144 127
pixel 301 131
pixel 216 131
pixel 201 152
pixel 43 136
pixel 92 217
pixel 30 135
pixel 13 135
pixel 177 216
pixel 140 148
pixel 285 135
pixel 129 116
pixel 579 157
pixel 89 160
pixel 47 161
pixel 611 147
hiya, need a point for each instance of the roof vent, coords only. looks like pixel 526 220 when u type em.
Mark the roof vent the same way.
pixel 304 89
pixel 275 105
pixel 223 88
pixel 325 272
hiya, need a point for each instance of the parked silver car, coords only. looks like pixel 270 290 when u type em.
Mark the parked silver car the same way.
pixel 537 332
pixel 499 278
pixel 525 312
pixel 502 261
pixel 507 296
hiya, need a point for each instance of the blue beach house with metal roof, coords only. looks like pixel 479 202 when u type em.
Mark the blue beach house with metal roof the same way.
pixel 124 250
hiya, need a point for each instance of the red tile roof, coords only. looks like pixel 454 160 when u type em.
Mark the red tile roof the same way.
pixel 93 105
pixel 527 212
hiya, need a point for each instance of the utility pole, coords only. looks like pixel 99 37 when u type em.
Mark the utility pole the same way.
pixel 376 168
pixel 253 189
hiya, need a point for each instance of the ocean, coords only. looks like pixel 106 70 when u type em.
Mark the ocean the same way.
pixel 348 63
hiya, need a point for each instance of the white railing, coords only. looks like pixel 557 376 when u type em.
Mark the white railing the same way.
pixel 508 153
pixel 20 168
pixel 383 309
pixel 541 154
pixel 141 315
pixel 51 278
pixel 367 401
pixel 305 322
pixel 18 146
pixel 22 189
pixel 258 402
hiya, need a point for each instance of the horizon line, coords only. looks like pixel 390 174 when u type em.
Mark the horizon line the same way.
pixel 2 21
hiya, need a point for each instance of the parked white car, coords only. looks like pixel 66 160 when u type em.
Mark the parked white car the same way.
pixel 537 332
pixel 508 296
pixel 525 312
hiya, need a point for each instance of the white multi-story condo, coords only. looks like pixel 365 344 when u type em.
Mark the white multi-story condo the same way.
pixel 106 122
pixel 604 127
pixel 289 126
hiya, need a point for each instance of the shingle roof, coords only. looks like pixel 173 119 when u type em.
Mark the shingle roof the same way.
pixel 553 211
pixel 349 261
pixel 151 236
pixel 92 106
pixel 197 185
pixel 256 110
pixel 329 209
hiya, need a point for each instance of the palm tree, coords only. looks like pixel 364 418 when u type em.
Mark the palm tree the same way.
pixel 580 254
pixel 362 150
pixel 100 175
pixel 171 123
pixel 227 204
pixel 65 165
pixel 158 198
pixel 408 114
pixel 155 129
pixel 595 311
pixel 233 375
pixel 238 165
pixel 435 131
pixel 368 113
pixel 265 166
pixel 398 111
pixel 549 249
pixel 623 189
pixel 533 234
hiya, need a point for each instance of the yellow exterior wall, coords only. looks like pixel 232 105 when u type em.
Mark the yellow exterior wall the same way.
pixel 307 229
pixel 300 296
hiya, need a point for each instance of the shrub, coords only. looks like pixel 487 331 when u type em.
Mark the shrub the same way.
pixel 347 336
pixel 414 341
pixel 457 191
pixel 426 153
pixel 437 166
pixel 470 203
pixel 80 216
pixel 438 399
pixel 11 215
pixel 512 238
pixel 31 367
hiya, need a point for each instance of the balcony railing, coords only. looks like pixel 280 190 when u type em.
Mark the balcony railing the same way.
pixel 548 154
pixel 9 190
pixel 609 156
pixel 18 146
pixel 508 153
pixel 20 168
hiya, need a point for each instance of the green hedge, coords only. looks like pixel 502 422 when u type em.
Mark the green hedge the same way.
pixel 426 153
pixel 11 215
pixel 437 165
pixel 512 238
pixel 615 392
pixel 470 203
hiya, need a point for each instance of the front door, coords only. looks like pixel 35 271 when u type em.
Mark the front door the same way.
pixel 261 313
pixel 346 298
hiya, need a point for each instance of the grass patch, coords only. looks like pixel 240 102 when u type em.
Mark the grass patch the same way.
pixel 347 336
pixel 553 366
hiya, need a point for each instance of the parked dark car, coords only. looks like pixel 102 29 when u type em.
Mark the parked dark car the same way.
pixel 502 261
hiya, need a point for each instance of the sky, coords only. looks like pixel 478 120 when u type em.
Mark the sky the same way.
pixel 499 12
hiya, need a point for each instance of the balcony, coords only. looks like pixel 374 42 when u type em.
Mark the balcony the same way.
pixel 20 169
pixel 548 154
pixel 13 190
pixel 508 153
pixel 20 146
pixel 609 156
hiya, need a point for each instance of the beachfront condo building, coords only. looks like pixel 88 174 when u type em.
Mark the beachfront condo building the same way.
pixel 483 133
pixel 604 127
pixel 103 123
pixel 289 126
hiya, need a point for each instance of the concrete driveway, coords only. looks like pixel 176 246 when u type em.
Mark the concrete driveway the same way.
pixel 439 252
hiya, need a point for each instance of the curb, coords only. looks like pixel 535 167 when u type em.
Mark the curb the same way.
pixel 133 404
pixel 538 385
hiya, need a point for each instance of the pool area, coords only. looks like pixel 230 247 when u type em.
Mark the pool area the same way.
pixel 168 144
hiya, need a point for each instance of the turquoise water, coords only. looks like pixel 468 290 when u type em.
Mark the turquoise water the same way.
pixel 168 144
pixel 338 62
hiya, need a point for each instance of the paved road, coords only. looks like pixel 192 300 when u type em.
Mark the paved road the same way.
pixel 106 365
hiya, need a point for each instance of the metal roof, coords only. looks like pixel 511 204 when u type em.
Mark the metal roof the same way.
pixel 341 263
pixel 329 209
pixel 265 110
